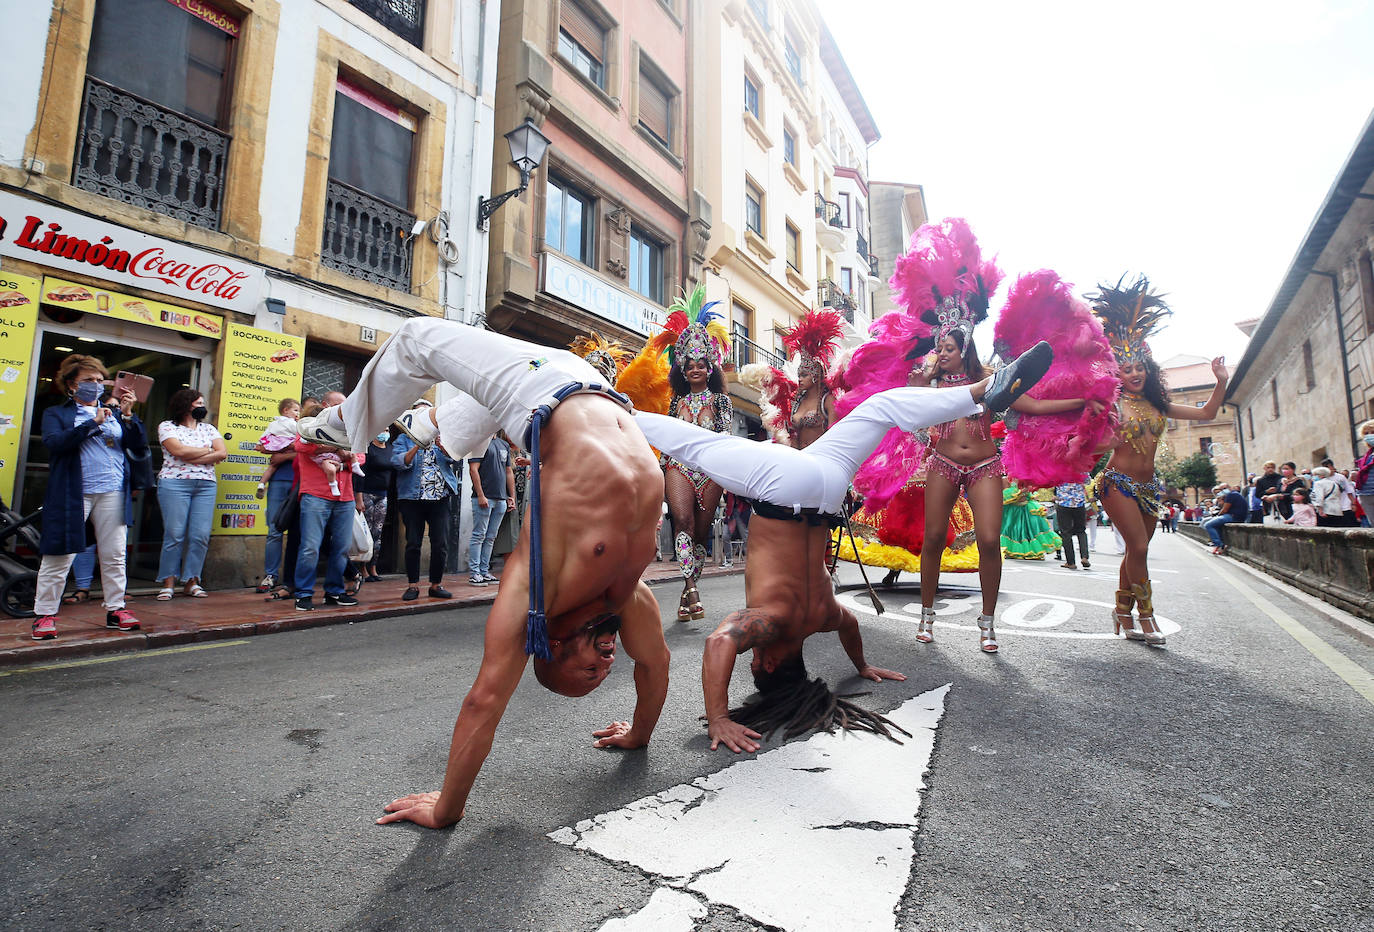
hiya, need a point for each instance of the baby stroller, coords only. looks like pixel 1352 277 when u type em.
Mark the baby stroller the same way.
pixel 19 559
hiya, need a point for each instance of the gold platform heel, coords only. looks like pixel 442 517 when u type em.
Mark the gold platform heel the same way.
pixel 1149 631
pixel 1122 619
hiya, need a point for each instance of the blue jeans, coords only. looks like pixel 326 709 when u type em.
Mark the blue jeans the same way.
pixel 326 529
pixel 1214 525
pixel 277 492
pixel 485 523
pixel 83 568
pixel 188 509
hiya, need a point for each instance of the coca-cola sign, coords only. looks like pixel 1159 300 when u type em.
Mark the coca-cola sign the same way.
pixel 62 239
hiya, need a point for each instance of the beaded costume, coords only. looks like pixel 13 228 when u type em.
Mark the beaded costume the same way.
pixel 811 346
pixel 700 335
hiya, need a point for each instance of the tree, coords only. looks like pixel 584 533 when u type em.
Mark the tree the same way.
pixel 1197 472
pixel 1166 468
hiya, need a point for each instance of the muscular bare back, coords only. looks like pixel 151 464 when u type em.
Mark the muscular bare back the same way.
pixel 786 576
pixel 602 491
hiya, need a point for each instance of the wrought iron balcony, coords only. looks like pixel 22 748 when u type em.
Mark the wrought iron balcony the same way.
pixel 406 18
pixel 863 246
pixel 873 266
pixel 833 296
pixel 366 237
pixel 829 212
pixel 744 351
pixel 135 151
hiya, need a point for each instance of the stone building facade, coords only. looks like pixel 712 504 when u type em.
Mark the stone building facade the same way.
pixel 1306 380
pixel 898 211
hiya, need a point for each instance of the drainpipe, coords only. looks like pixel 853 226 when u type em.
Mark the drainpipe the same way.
pixel 1240 435
pixel 1345 359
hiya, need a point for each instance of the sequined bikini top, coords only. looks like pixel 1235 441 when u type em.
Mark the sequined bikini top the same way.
pixel 1140 419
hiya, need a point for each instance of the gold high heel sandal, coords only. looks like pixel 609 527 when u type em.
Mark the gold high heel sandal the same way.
pixel 925 627
pixel 1149 632
pixel 1122 619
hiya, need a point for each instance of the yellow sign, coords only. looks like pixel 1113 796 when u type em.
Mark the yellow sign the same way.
pixel 18 320
pixel 106 303
pixel 261 367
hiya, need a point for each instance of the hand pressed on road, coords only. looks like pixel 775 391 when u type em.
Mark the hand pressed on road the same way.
pixel 878 674
pixel 617 735
pixel 417 808
pixel 736 737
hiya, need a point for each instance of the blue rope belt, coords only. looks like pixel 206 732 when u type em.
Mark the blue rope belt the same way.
pixel 537 623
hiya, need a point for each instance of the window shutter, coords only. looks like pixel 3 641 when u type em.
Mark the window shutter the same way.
pixel 654 108
pixel 585 30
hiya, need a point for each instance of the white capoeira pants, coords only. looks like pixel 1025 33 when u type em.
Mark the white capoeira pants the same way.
pixel 503 380
pixel 819 476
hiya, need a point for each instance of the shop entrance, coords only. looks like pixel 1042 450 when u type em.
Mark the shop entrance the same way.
pixel 170 371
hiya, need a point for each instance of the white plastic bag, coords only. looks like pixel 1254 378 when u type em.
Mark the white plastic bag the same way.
pixel 360 548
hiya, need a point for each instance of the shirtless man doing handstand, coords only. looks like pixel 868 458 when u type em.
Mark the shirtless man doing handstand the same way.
pixel 602 488
pixel 797 496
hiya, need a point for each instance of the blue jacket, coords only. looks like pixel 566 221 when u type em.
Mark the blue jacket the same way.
pixel 408 477
pixel 64 513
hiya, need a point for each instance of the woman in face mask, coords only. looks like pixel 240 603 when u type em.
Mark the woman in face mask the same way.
pixel 88 478
pixel 378 471
pixel 1364 472
pixel 186 491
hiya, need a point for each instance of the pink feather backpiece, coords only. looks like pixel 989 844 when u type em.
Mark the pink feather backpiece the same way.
pixel 1046 450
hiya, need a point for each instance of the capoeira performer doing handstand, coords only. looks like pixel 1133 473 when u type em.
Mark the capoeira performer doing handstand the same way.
pixel 603 490
pixel 797 496
pixel 577 564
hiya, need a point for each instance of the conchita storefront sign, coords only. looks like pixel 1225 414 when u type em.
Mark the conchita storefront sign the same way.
pixel 38 232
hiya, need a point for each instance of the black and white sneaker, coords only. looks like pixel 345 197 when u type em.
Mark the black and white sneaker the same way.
pixel 342 598
pixel 315 430
pixel 476 581
pixel 418 426
pixel 306 604
pixel 1017 377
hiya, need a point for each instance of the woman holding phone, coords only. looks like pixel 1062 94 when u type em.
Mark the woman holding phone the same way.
pixel 88 479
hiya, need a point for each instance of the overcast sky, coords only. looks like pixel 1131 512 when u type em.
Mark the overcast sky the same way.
pixel 1193 141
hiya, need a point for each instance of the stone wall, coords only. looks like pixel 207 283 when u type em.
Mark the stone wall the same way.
pixel 1334 564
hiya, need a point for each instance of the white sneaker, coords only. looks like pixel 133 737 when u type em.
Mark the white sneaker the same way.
pixel 417 425
pixel 316 430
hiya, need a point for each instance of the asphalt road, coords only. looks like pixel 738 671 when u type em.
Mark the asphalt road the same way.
pixel 1075 781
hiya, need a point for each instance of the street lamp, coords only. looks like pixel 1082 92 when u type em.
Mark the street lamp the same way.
pixel 527 148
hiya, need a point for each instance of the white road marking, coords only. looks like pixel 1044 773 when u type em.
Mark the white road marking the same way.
pixel 667 911
pixel 815 835
pixel 1026 623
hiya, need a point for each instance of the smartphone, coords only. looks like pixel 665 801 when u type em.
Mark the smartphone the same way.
pixel 140 385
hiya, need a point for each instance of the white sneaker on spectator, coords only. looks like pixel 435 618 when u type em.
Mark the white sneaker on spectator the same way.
pixel 487 577
pixel 418 425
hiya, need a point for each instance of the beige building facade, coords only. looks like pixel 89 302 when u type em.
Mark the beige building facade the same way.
pixel 1191 382
pixel 898 210
pixel 213 175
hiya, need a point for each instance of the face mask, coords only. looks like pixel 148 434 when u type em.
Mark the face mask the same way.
pixel 89 392
pixel 199 413
pixel 382 437
pixel 1368 439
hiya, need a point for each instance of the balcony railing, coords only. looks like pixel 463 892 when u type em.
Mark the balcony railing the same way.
pixel 863 246
pixel 744 351
pixel 828 211
pixel 135 151
pixel 406 18
pixel 833 296
pixel 873 266
pixel 366 237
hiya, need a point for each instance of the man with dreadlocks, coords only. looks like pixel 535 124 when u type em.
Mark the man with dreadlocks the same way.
pixel 573 581
pixel 797 496
pixel 1129 491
